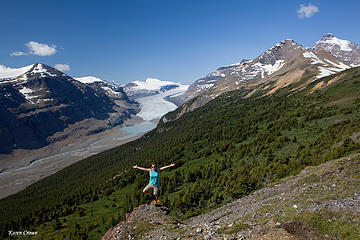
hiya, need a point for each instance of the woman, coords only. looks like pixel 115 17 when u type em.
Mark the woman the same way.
pixel 154 179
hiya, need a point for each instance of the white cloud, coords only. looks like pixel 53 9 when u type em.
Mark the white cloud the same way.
pixel 62 67
pixel 35 48
pixel 18 53
pixel 307 11
pixel 41 49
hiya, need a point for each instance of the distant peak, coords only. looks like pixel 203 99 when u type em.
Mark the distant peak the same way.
pixel 89 79
pixel 285 43
pixel 328 35
pixel 328 41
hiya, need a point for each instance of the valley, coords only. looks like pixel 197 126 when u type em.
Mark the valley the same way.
pixel 85 138
pixel 241 129
pixel 24 167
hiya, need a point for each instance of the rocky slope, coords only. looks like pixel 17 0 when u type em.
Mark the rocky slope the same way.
pixel 39 101
pixel 286 63
pixel 321 202
pixel 206 82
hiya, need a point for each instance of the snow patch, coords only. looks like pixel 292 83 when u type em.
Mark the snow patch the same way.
pixel 326 71
pixel 107 89
pixel 273 68
pixel 340 65
pixel 26 92
pixel 204 87
pixel 268 68
pixel 313 57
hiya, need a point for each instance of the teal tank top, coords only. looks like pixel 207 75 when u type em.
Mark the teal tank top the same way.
pixel 154 178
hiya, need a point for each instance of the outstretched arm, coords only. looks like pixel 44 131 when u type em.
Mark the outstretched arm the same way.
pixel 165 167
pixel 141 168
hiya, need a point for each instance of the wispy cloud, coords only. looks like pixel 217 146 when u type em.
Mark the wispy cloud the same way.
pixel 18 53
pixel 35 48
pixel 62 67
pixel 307 11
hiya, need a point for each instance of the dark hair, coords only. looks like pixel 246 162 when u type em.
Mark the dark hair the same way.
pixel 155 166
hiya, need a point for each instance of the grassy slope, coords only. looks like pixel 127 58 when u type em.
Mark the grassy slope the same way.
pixel 228 148
pixel 321 202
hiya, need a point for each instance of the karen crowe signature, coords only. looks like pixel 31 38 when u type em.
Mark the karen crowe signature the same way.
pixel 24 233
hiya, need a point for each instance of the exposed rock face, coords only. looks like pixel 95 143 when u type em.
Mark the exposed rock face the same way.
pixel 346 51
pixel 43 101
pixel 143 217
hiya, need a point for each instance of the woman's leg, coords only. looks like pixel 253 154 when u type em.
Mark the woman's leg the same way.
pixel 156 193
pixel 147 189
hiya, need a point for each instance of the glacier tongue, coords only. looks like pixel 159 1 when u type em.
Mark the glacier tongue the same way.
pixel 156 106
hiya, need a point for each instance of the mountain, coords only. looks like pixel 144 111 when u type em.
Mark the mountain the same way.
pixel 224 151
pixel 39 101
pixel 112 90
pixel 346 51
pixel 286 63
pixel 206 82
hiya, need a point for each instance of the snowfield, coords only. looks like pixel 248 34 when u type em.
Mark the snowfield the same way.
pixel 154 107
pixel 88 79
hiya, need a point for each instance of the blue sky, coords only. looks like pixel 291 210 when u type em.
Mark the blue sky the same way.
pixel 171 40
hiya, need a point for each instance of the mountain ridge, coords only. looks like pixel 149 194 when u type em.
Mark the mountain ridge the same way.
pixel 268 69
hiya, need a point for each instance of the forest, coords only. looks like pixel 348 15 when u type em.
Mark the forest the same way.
pixel 224 150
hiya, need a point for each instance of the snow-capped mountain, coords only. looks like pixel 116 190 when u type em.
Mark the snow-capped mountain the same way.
pixel 112 90
pixel 205 83
pixel 210 80
pixel 346 51
pixel 38 101
pixel 283 65
pixel 149 87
